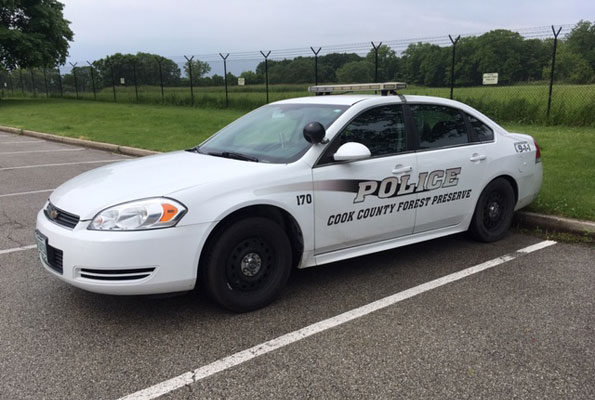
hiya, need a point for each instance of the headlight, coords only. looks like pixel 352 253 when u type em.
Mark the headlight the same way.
pixel 137 215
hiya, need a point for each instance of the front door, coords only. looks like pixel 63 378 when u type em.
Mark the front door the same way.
pixel 368 200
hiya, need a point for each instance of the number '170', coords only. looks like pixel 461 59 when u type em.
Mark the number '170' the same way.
pixel 303 199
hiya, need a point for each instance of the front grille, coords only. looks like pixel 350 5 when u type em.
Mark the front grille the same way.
pixel 61 217
pixel 116 274
pixel 55 257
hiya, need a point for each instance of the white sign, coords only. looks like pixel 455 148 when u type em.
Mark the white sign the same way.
pixel 490 78
pixel 241 81
pixel 122 81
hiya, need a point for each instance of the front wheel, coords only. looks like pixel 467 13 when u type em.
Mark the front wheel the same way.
pixel 493 212
pixel 248 264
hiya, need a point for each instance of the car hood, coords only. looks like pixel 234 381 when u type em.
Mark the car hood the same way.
pixel 159 175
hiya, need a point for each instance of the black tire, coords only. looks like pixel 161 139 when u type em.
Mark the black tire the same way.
pixel 247 265
pixel 493 212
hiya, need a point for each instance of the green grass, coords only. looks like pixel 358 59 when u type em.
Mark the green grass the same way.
pixel 151 127
pixel 568 155
pixel 567 152
pixel 572 105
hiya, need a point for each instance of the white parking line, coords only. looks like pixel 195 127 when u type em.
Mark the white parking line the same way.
pixel 31 246
pixel 59 165
pixel 29 192
pixel 295 336
pixel 39 151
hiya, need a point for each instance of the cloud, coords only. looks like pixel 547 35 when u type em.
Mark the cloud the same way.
pixel 182 27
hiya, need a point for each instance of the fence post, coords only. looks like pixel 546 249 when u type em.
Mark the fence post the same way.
pixel 45 80
pixel 92 80
pixel 315 63
pixel 376 47
pixel 60 82
pixel 22 82
pixel 134 77
pixel 266 71
pixel 33 83
pixel 189 60
pixel 76 89
pixel 113 81
pixel 10 83
pixel 549 99
pixel 452 64
pixel 160 80
pixel 225 77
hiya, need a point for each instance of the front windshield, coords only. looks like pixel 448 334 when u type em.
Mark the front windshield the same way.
pixel 273 133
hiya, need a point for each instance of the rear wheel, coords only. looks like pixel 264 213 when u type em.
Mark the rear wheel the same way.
pixel 248 264
pixel 493 212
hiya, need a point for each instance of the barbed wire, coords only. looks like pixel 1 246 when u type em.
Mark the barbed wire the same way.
pixel 362 48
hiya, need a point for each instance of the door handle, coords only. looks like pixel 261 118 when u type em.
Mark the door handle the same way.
pixel 477 157
pixel 399 169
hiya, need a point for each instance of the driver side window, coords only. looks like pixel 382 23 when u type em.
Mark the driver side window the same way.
pixel 381 130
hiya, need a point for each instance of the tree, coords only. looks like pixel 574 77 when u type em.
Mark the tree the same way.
pixel 581 41
pixel 146 65
pixel 217 80
pixel 500 51
pixel 571 67
pixel 534 55
pixel 251 78
pixel 298 70
pixel 356 72
pixel 232 80
pixel 330 63
pixel 199 68
pixel 425 64
pixel 33 33
pixel 387 62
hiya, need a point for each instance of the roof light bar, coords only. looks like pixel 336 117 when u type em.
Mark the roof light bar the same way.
pixel 357 87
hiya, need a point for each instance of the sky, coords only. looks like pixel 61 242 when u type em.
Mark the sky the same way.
pixel 183 27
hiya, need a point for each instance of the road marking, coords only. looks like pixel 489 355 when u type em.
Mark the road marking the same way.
pixel 29 192
pixel 39 151
pixel 295 336
pixel 31 246
pixel 21 141
pixel 60 164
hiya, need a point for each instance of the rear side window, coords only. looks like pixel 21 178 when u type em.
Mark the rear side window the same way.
pixel 439 126
pixel 381 129
pixel 484 132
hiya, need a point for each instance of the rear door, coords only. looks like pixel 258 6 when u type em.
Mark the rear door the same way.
pixel 452 165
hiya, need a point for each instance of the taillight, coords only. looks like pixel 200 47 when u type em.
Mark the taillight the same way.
pixel 537 152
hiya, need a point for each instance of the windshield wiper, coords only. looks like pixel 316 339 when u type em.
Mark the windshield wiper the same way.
pixel 235 156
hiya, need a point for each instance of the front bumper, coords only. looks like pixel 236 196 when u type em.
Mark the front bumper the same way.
pixel 125 263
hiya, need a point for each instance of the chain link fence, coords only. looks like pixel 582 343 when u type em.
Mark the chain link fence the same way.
pixel 529 88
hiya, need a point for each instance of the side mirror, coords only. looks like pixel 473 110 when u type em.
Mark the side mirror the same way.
pixel 352 151
pixel 314 132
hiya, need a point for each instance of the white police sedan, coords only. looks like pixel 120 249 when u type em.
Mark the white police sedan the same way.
pixel 293 184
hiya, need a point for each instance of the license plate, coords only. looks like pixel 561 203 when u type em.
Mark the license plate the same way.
pixel 42 246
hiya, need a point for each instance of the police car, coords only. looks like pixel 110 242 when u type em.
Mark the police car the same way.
pixel 293 184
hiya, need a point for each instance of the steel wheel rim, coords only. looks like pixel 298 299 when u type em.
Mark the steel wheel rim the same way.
pixel 494 211
pixel 250 265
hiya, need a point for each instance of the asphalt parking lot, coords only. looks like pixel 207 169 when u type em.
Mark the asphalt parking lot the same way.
pixel 523 328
